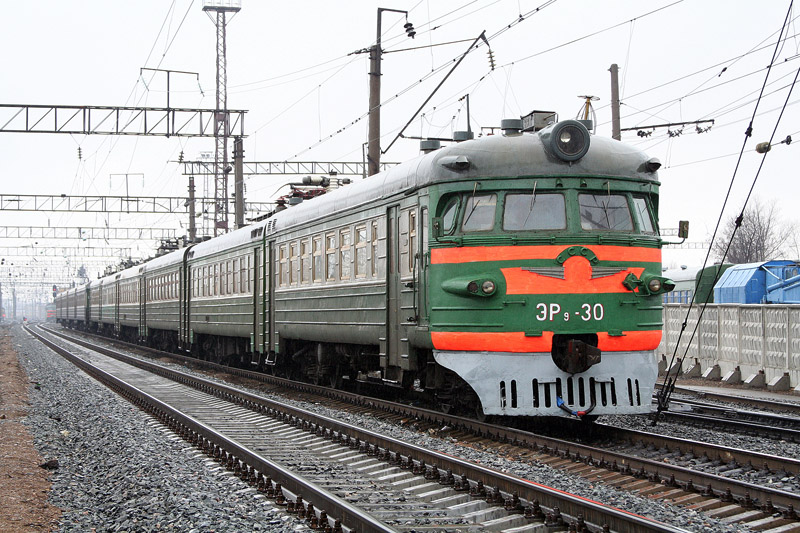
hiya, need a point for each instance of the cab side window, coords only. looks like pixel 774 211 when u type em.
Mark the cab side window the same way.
pixel 643 215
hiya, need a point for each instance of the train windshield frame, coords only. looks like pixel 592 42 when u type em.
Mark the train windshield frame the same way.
pixel 532 211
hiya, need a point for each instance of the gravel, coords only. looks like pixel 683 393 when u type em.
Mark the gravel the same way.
pixel 118 470
pixel 116 493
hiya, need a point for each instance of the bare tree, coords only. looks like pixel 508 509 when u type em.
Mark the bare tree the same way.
pixel 761 236
pixel 792 248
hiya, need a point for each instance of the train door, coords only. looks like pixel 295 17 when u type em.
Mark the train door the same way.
pixel 390 355
pixel 273 342
pixel 142 307
pixel 422 260
pixel 117 294
pixel 255 271
pixel 184 301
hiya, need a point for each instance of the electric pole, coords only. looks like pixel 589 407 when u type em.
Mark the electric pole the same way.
pixel 221 122
pixel 615 132
pixel 238 175
pixel 374 132
pixel 192 227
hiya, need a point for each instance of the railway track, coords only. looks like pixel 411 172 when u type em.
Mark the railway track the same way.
pixel 301 459
pixel 779 421
pixel 640 462
pixel 701 397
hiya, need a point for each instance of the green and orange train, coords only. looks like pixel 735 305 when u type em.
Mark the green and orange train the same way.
pixel 514 274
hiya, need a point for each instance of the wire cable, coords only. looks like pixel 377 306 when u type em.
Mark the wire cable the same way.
pixel 664 395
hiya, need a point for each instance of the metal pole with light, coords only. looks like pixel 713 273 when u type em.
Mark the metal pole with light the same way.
pixel 374 134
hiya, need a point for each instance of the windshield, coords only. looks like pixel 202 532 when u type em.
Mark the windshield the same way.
pixel 479 212
pixel 605 212
pixel 530 211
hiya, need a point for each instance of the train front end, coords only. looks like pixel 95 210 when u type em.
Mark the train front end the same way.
pixel 545 273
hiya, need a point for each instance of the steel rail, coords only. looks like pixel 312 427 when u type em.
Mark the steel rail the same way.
pixel 789 405
pixel 348 514
pixel 752 424
pixel 399 451
pixel 635 466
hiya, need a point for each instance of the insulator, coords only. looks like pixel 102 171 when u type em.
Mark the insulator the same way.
pixel 79 153
pixel 180 157
pixel 490 53
pixel 409 29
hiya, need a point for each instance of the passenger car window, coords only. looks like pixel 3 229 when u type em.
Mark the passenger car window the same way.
pixel 643 215
pixel 605 212
pixel 534 212
pixel 479 212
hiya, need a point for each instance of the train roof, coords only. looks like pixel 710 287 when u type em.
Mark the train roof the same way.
pixel 165 260
pixel 230 240
pixel 494 156
pixel 682 274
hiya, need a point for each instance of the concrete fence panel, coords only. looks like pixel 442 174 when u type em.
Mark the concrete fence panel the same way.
pixel 752 337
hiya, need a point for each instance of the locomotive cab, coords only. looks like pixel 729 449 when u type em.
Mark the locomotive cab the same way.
pixel 545 273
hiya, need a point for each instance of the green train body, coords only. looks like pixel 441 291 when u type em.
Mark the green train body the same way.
pixel 514 274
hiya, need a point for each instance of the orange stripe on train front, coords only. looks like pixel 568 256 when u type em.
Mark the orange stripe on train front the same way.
pixel 517 342
pixel 577 279
pixel 471 254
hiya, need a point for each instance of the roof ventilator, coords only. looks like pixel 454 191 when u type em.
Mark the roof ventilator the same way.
pixel 511 126
pixel 429 145
pixel 455 162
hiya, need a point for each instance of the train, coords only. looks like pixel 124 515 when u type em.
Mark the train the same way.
pixel 516 274
pixel 694 284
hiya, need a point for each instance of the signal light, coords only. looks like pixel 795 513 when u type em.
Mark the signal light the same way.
pixel 409 29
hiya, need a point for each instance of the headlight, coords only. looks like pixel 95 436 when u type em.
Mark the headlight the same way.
pixel 569 140
pixel 481 286
pixel 654 285
pixel 488 287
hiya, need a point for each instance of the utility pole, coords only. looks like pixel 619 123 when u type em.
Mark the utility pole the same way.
pixel 238 176
pixel 615 132
pixel 192 227
pixel 221 122
pixel 374 131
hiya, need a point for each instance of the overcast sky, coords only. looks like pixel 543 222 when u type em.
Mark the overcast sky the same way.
pixel 290 66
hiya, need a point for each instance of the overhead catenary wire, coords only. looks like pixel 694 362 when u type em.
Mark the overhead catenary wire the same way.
pixel 422 79
pixel 669 384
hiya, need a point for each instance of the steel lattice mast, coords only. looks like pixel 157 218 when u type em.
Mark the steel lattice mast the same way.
pixel 221 121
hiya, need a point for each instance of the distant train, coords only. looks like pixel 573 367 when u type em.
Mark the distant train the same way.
pixel 691 281
pixel 515 274
pixel 776 281
pixel 50 312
